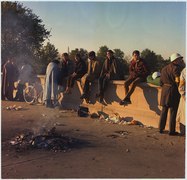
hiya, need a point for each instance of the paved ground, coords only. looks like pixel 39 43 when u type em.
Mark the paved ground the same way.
pixel 140 153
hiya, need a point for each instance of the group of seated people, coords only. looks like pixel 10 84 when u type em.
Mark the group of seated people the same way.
pixel 64 74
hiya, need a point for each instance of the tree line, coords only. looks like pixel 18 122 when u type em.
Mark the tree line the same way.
pixel 23 35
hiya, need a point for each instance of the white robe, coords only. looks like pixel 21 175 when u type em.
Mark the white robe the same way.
pixel 51 82
pixel 182 104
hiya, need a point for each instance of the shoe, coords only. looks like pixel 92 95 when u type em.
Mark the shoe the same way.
pixel 161 131
pixel 128 101
pixel 173 133
pixel 101 100
pixel 125 101
pixel 122 102
pixel 49 104
pixel 84 96
pixel 97 95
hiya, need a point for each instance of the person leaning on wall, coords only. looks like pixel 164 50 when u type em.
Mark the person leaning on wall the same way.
pixel 170 96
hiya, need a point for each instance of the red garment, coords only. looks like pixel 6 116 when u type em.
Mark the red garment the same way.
pixel 138 69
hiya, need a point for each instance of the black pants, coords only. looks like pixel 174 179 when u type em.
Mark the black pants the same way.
pixel 71 80
pixel 163 118
pixel 103 82
pixel 133 82
pixel 19 94
pixel 86 86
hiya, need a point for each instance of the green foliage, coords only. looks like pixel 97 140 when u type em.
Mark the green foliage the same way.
pixel 22 32
pixel 154 62
pixel 122 65
pixel 81 51
pixel 101 54
pixel 45 56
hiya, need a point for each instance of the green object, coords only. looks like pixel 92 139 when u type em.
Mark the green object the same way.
pixel 153 81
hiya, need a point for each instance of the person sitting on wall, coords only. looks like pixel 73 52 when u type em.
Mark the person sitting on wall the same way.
pixel 154 78
pixel 80 71
pixel 66 69
pixel 107 73
pixel 138 73
pixel 91 75
pixel 9 76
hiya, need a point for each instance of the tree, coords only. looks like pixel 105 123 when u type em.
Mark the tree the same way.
pixel 122 66
pixel 154 62
pixel 101 54
pixel 45 56
pixel 161 62
pixel 22 32
pixel 81 51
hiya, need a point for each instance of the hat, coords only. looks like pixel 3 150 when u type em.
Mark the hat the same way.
pixel 175 56
pixel 155 75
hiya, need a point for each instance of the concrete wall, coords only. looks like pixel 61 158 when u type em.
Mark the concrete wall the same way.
pixel 144 108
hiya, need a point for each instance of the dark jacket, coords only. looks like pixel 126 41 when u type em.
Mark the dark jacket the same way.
pixel 80 67
pixel 170 95
pixel 67 68
pixel 138 69
pixel 109 66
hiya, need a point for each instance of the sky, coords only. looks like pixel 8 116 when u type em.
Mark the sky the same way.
pixel 158 26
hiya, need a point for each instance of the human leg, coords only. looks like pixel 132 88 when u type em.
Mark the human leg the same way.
pixel 163 118
pixel 128 92
pixel 172 123
pixel 85 89
pixel 134 83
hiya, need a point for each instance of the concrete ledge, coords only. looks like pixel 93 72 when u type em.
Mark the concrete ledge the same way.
pixel 144 108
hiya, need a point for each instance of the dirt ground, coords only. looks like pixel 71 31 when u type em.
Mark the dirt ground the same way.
pixel 139 153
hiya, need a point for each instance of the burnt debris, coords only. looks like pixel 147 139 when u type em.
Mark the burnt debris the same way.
pixel 48 140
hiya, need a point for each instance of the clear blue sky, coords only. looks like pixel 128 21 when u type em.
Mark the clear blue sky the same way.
pixel 159 26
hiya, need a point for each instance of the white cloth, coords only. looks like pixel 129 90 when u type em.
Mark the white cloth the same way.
pixel 51 82
pixel 182 104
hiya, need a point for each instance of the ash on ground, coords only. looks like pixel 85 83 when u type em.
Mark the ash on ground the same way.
pixel 48 140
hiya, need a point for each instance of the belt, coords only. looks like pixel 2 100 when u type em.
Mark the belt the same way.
pixel 169 85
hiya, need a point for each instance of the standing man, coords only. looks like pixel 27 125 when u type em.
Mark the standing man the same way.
pixel 91 75
pixel 107 72
pixel 138 73
pixel 10 75
pixel 170 96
